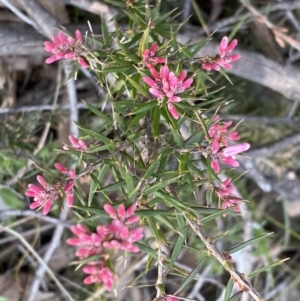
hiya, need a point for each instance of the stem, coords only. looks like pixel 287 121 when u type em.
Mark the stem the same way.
pixel 237 277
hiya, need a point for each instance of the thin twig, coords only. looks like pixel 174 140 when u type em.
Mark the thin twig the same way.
pixel 39 108
pixel 46 218
pixel 38 258
pixel 19 14
pixel 223 24
pixel 237 277
pixel 274 147
pixel 42 141
pixel 278 32
pixel 261 119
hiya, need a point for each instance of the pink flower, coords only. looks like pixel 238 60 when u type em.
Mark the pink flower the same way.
pixel 122 237
pixel 167 84
pixel 66 48
pixel 117 235
pixel 149 58
pixel 219 149
pixel 224 58
pixel 225 189
pixel 88 244
pixel 231 201
pixel 99 273
pixel 43 196
pixel 77 144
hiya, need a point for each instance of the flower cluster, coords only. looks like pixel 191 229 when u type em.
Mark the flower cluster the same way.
pixel 225 193
pixel 66 48
pixel 149 59
pixel 45 195
pixel 224 58
pixel 219 149
pixel 117 236
pixel 164 297
pixel 77 144
pixel 165 84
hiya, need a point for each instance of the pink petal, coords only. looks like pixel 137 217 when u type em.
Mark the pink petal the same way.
pixel 34 188
pixel 182 76
pixel 149 81
pixel 154 73
pixel 175 99
pixel 164 72
pixel 215 166
pixel 230 161
pixel 153 48
pixel 235 149
pixel 82 62
pixel 70 198
pixel 173 111
pixel 156 92
pixel 34 205
pixel 61 168
pixel 231 46
pixel 78 36
pixel 52 59
pixel 70 55
pixel 79 229
pixel 173 80
pixel 223 46
pixel 74 141
pixel 49 46
pixel 206 66
pixel 89 280
pixel 234 57
pixel 160 60
pixel 130 210
pixel 121 211
pixel 42 181
pixel 47 207
pixel 73 242
pixel 110 210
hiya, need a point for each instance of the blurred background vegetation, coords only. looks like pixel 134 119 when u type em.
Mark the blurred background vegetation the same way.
pixel 264 94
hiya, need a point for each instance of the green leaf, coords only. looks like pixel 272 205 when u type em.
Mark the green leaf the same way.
pixel 113 187
pixel 11 198
pixel 144 42
pixel 217 214
pixel 117 69
pixel 191 276
pixel 97 112
pixel 268 267
pixel 160 185
pixel 170 201
pixel 145 247
pixel 178 246
pixel 135 120
pixel 177 137
pixel 158 234
pixel 229 288
pixel 93 188
pixel 94 134
pixel 155 122
pixel 155 162
pixel 236 296
pixel 144 107
pixel 139 87
pixel 105 35
pixel 96 211
pixel 152 212
pixel 128 179
pixel 247 243
pixel 182 162
pixel 194 139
